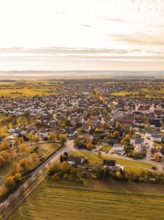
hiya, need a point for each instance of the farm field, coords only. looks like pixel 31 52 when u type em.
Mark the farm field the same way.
pixel 145 92
pixel 28 89
pixel 81 202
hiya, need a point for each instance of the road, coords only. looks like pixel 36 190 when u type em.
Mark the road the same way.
pixel 17 198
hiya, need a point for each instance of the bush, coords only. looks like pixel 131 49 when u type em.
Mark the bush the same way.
pixel 154 168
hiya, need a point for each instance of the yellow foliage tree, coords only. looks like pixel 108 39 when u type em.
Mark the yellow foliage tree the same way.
pixel 25 164
pixel 5 144
pixel 3 191
pixel 156 156
pixel 89 145
pixel 63 138
pixel 31 137
pixel 9 182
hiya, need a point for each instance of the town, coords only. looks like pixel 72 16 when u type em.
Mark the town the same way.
pixel 119 123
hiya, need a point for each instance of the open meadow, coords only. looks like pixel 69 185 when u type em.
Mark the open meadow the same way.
pixel 76 202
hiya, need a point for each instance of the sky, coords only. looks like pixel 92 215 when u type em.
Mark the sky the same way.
pixel 81 35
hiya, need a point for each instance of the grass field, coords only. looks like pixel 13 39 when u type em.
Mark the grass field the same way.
pixel 95 159
pixel 52 201
pixel 105 148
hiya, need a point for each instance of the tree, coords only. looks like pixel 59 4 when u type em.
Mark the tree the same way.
pixel 104 125
pixel 115 134
pixel 63 138
pixel 31 137
pixel 89 145
pixel 156 156
pixel 2 161
pixel 99 153
pixel 118 125
pixel 25 164
pixel 27 113
pixel 22 148
pixel 5 155
pixel 5 144
pixel 36 139
pixel 3 191
pixel 17 177
pixel 9 182
pixel 119 175
pixel 16 141
pixel 52 137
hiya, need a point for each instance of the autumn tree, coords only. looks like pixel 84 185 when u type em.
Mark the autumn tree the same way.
pixel 36 139
pixel 25 164
pixel 5 155
pixel 104 125
pixel 5 144
pixel 63 138
pixel 89 145
pixel 2 161
pixel 99 153
pixel 3 191
pixel 9 182
pixel 16 141
pixel 17 177
pixel 156 156
pixel 31 137
pixel 118 125
pixel 118 175
pixel 53 137
pixel 115 134
pixel 22 148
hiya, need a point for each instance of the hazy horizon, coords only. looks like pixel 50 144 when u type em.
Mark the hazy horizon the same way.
pixel 79 74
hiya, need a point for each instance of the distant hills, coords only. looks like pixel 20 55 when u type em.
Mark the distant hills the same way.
pixel 79 74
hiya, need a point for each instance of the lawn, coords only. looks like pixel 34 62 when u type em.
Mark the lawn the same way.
pixel 65 202
pixel 95 159
pixel 158 144
pixel 105 148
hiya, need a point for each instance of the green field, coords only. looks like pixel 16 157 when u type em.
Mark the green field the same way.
pixel 52 201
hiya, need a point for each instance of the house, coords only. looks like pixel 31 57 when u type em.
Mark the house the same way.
pixel 109 162
pixel 88 137
pixel 137 141
pixel 112 141
pixel 118 149
pixel 156 137
pixel 86 127
pixel 75 161
pixel 138 144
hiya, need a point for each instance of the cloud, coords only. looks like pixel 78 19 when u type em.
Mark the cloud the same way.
pixel 142 39
pixel 115 19
pixel 85 25
pixel 64 51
